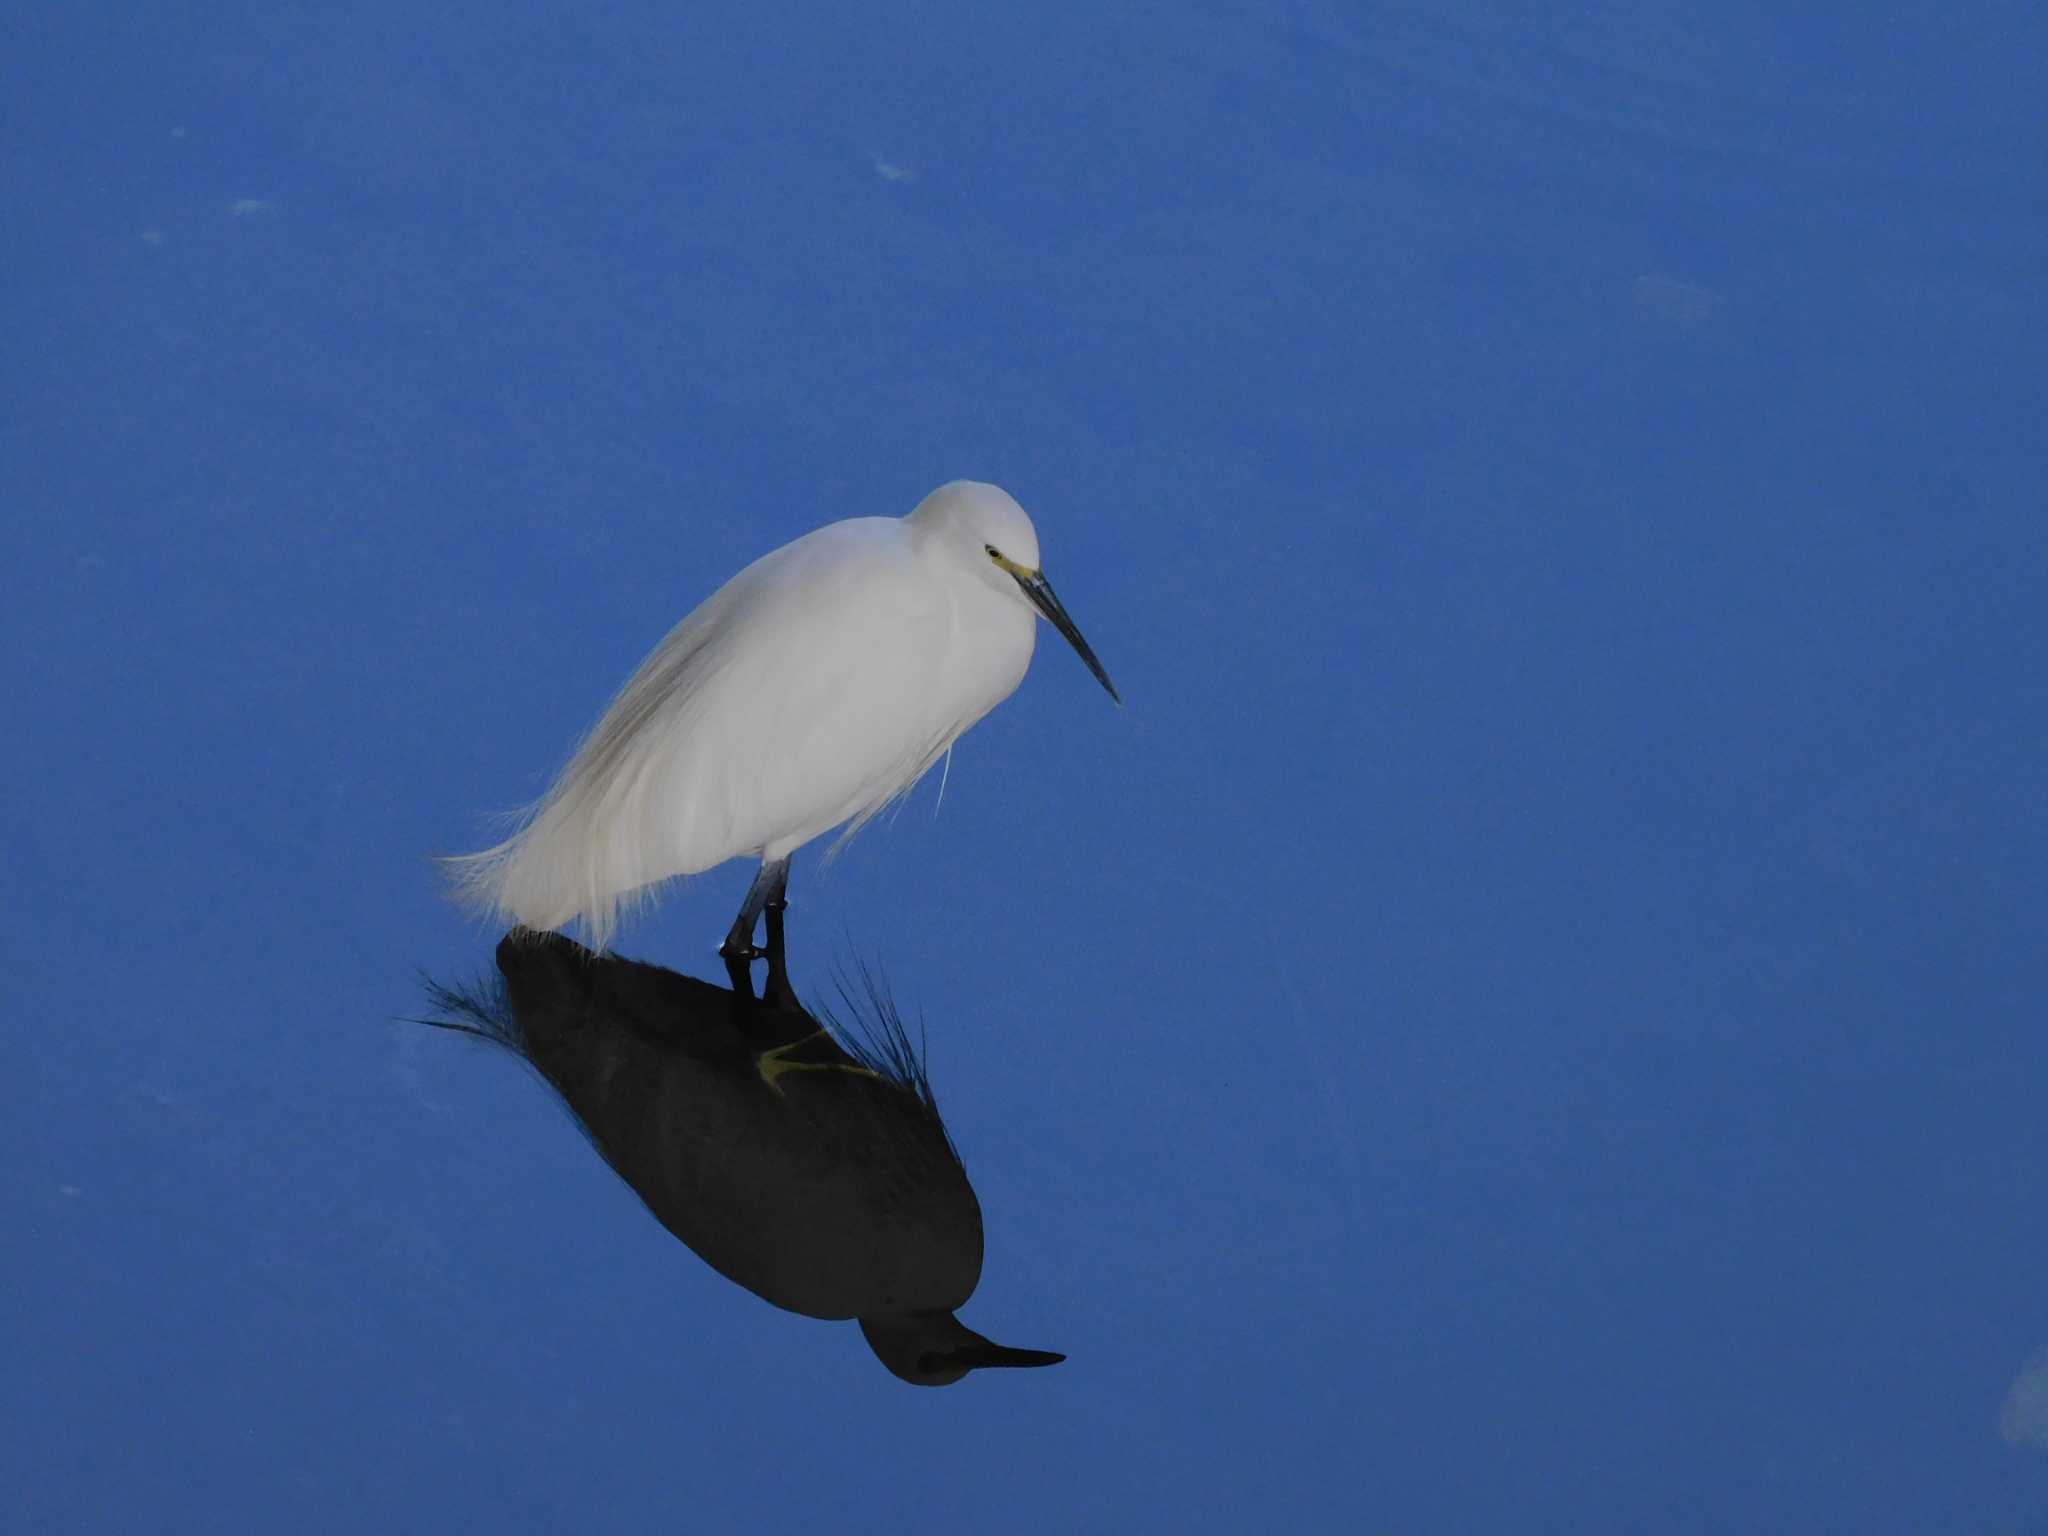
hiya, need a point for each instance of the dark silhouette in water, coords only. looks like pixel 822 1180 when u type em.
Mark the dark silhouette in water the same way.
pixel 807 1164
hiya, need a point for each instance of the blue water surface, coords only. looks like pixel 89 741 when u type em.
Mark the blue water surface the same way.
pixel 1530 1020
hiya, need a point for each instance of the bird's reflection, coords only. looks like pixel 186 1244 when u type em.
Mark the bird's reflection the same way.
pixel 807 1164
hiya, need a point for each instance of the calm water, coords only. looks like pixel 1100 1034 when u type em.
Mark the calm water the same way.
pixel 1529 1021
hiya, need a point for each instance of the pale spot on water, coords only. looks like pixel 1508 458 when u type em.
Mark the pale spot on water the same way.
pixel 2024 1418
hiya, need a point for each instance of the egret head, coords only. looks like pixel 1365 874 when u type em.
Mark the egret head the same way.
pixel 971 517
pixel 982 526
pixel 935 1349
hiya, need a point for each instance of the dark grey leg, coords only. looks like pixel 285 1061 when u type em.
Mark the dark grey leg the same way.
pixel 766 891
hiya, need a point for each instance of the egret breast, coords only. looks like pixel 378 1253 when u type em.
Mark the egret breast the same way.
pixel 923 672
pixel 843 673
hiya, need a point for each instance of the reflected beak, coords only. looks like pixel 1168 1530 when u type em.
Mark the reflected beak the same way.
pixel 1041 594
pixel 981 1357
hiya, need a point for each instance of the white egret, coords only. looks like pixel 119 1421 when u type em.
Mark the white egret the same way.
pixel 811 690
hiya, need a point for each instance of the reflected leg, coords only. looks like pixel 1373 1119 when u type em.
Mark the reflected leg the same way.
pixel 778 991
pixel 739 971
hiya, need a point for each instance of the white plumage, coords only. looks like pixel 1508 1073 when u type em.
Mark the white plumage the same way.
pixel 811 690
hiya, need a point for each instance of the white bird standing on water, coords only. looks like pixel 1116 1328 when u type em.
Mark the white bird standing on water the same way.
pixel 814 688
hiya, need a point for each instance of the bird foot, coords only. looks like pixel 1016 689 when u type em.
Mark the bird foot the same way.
pixel 739 952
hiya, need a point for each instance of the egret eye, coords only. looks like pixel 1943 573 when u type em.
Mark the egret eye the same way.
pixel 993 552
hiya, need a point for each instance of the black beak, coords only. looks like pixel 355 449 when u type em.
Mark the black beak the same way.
pixel 1041 594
